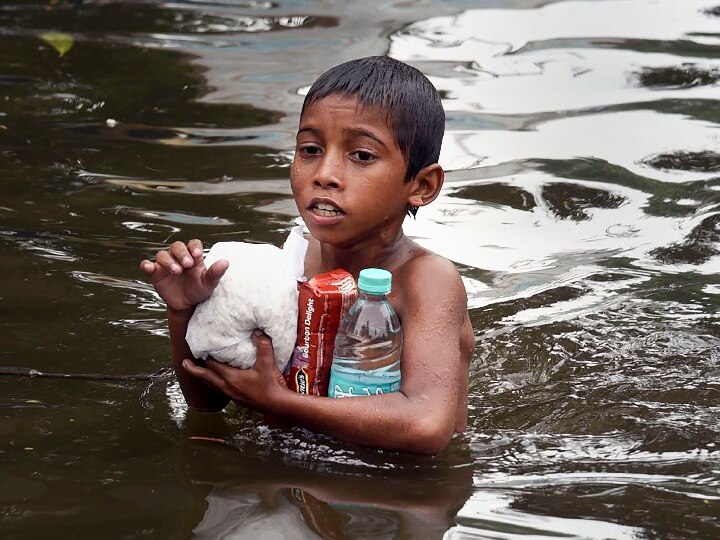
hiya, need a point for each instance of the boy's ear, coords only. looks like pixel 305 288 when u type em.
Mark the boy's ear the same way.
pixel 426 185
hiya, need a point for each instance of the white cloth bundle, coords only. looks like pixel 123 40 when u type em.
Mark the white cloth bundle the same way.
pixel 258 290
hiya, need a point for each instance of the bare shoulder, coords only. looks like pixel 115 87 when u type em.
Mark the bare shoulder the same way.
pixel 430 278
pixel 431 297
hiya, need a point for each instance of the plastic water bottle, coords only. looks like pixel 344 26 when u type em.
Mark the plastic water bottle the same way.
pixel 368 344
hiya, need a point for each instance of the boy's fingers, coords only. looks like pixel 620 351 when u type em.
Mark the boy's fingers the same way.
pixel 195 247
pixel 181 254
pixel 147 267
pixel 164 259
pixel 205 374
pixel 222 370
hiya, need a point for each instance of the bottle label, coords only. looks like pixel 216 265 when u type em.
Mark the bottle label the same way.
pixel 355 382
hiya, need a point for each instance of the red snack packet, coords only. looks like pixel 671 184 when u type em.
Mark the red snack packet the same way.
pixel 322 302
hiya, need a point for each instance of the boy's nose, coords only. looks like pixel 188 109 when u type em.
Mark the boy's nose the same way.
pixel 323 182
pixel 328 174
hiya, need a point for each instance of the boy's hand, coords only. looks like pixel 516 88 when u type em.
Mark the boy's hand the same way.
pixel 255 387
pixel 180 277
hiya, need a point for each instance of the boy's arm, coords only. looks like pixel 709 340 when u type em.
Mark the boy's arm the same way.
pixel 198 395
pixel 181 279
pixel 421 417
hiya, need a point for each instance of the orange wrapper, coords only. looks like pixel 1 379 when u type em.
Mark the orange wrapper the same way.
pixel 322 302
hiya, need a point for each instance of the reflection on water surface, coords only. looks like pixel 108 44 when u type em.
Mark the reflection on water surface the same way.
pixel 581 207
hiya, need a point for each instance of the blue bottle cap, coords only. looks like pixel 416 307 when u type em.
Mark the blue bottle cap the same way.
pixel 375 281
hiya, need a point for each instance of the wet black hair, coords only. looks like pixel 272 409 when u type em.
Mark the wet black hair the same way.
pixel 412 104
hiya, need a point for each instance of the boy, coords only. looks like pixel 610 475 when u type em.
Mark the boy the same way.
pixel 367 150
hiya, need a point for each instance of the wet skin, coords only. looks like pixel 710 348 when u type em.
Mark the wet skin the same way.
pixel 347 159
pixel 348 178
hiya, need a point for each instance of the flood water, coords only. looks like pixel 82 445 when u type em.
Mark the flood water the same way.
pixel 582 207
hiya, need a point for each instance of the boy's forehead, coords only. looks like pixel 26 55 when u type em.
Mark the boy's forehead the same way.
pixel 348 108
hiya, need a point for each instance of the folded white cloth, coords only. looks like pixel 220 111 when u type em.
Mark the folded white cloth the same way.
pixel 258 290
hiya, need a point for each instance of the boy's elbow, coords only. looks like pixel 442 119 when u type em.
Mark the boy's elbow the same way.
pixel 207 404
pixel 430 435
pixel 204 408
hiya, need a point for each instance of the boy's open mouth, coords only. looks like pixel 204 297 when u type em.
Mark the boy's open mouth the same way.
pixel 325 209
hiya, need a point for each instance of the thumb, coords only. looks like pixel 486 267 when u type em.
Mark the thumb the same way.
pixel 212 275
pixel 264 346
pixel 266 356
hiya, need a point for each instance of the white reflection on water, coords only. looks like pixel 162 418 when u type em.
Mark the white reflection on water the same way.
pixel 176 403
pixel 511 240
pixel 457 37
pixel 496 509
pixel 553 59
pixel 489 514
pixel 620 138
pixel 602 296
pixel 556 78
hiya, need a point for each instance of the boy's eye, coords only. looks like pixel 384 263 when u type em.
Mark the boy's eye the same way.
pixel 362 155
pixel 310 150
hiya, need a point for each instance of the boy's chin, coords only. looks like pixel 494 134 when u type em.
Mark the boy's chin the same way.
pixel 334 238
pixel 326 237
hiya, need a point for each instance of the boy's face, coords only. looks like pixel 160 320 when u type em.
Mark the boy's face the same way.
pixel 348 174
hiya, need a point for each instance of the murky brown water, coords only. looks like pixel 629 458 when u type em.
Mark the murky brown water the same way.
pixel 582 208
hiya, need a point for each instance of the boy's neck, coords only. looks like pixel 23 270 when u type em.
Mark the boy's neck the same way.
pixel 382 251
